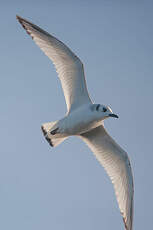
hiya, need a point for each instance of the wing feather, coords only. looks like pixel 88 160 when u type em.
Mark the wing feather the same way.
pixel 68 66
pixel 117 165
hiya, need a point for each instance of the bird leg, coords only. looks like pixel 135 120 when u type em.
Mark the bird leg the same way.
pixel 54 131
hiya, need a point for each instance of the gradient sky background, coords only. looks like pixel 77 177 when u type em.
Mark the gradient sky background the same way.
pixel 65 188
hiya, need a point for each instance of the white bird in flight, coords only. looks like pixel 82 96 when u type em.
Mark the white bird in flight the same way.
pixel 85 119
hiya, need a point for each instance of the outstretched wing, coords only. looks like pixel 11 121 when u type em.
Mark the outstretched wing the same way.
pixel 117 165
pixel 68 65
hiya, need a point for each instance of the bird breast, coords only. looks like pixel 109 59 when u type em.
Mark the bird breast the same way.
pixel 79 121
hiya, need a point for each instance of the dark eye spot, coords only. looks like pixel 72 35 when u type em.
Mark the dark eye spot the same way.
pixel 104 109
pixel 97 107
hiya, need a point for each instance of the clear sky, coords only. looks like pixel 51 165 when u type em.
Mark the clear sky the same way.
pixel 65 188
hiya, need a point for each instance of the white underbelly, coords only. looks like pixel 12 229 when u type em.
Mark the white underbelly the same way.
pixel 76 124
pixel 81 128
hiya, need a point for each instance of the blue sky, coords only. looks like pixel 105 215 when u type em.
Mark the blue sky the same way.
pixel 65 187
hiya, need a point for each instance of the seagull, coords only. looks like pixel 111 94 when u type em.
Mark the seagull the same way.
pixel 85 119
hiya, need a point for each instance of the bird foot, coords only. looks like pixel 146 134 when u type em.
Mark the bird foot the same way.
pixel 54 131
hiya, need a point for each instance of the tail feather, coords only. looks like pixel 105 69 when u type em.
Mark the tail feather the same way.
pixel 52 139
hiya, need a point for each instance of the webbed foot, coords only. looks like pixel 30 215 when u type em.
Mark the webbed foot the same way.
pixel 53 132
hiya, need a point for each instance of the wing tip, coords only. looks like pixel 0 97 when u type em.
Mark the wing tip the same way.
pixel 17 17
pixel 128 226
pixel 20 19
pixel 23 22
pixel 125 224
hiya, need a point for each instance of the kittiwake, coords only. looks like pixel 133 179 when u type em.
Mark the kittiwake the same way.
pixel 85 119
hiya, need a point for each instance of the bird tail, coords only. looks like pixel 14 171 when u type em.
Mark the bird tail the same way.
pixel 49 130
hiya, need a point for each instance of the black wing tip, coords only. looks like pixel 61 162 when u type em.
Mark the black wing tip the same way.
pixel 27 24
pixel 20 19
pixel 126 226
pixel 125 223
pixel 24 23
pixel 47 138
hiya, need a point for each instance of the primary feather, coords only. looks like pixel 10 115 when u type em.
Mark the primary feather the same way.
pixel 68 66
pixel 117 165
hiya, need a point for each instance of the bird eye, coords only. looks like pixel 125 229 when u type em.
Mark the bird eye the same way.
pixel 104 109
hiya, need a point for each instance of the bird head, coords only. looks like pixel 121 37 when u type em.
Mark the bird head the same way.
pixel 103 111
